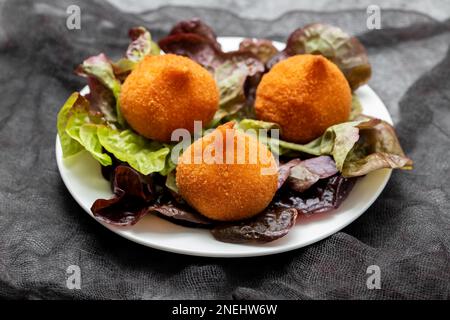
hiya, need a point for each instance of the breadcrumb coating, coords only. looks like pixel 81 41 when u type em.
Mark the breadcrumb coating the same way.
pixel 167 92
pixel 226 191
pixel 304 94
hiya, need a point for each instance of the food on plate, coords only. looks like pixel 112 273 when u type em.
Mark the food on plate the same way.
pixel 304 94
pixel 239 184
pixel 167 92
pixel 272 224
pixel 227 175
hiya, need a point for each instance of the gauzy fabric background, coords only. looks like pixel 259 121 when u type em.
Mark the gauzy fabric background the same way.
pixel 406 232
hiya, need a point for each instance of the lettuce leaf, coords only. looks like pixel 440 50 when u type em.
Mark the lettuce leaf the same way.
pixel 89 139
pixel 306 173
pixel 100 68
pixel 141 154
pixel 141 44
pixel 69 145
pixel 101 99
pixel 271 224
pixel 197 27
pixel 251 124
pixel 358 147
pixel 377 148
pixel 79 128
pixel 262 48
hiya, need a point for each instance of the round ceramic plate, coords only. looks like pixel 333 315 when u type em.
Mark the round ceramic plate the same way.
pixel 82 177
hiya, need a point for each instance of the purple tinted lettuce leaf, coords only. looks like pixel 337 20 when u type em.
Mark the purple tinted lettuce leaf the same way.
pixel 237 73
pixel 136 195
pixel 198 27
pixel 141 44
pixel 180 214
pixel 326 195
pixel 357 147
pixel 277 58
pixel 262 48
pixel 133 183
pixel 284 171
pixel 193 46
pixel 231 77
pixel 100 68
pixel 378 147
pixel 270 225
pixel 119 210
pixel 303 175
pixel 132 193
pixel 101 99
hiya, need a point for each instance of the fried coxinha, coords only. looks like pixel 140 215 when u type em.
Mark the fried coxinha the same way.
pixel 305 94
pixel 167 92
pixel 224 187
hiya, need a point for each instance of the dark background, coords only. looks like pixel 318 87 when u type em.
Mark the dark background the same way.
pixel 406 232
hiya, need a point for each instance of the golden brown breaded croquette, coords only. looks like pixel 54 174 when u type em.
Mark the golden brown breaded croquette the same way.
pixel 304 94
pixel 228 184
pixel 167 92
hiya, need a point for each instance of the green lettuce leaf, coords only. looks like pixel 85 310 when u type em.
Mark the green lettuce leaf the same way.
pixel 77 118
pixel 69 145
pixel 79 128
pixel 251 124
pixel 337 140
pixel 141 154
pixel 89 139
pixel 102 100
pixel 100 68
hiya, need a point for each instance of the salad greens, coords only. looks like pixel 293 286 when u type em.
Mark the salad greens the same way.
pixel 94 123
pixel 312 178
pixel 357 147
pixel 141 154
pixel 69 145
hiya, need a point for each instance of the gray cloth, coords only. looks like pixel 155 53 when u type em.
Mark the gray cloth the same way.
pixel 406 232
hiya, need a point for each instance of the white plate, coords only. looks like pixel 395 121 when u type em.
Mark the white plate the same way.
pixel 82 177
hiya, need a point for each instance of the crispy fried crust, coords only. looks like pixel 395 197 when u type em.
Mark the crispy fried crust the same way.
pixel 167 92
pixel 304 94
pixel 225 191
